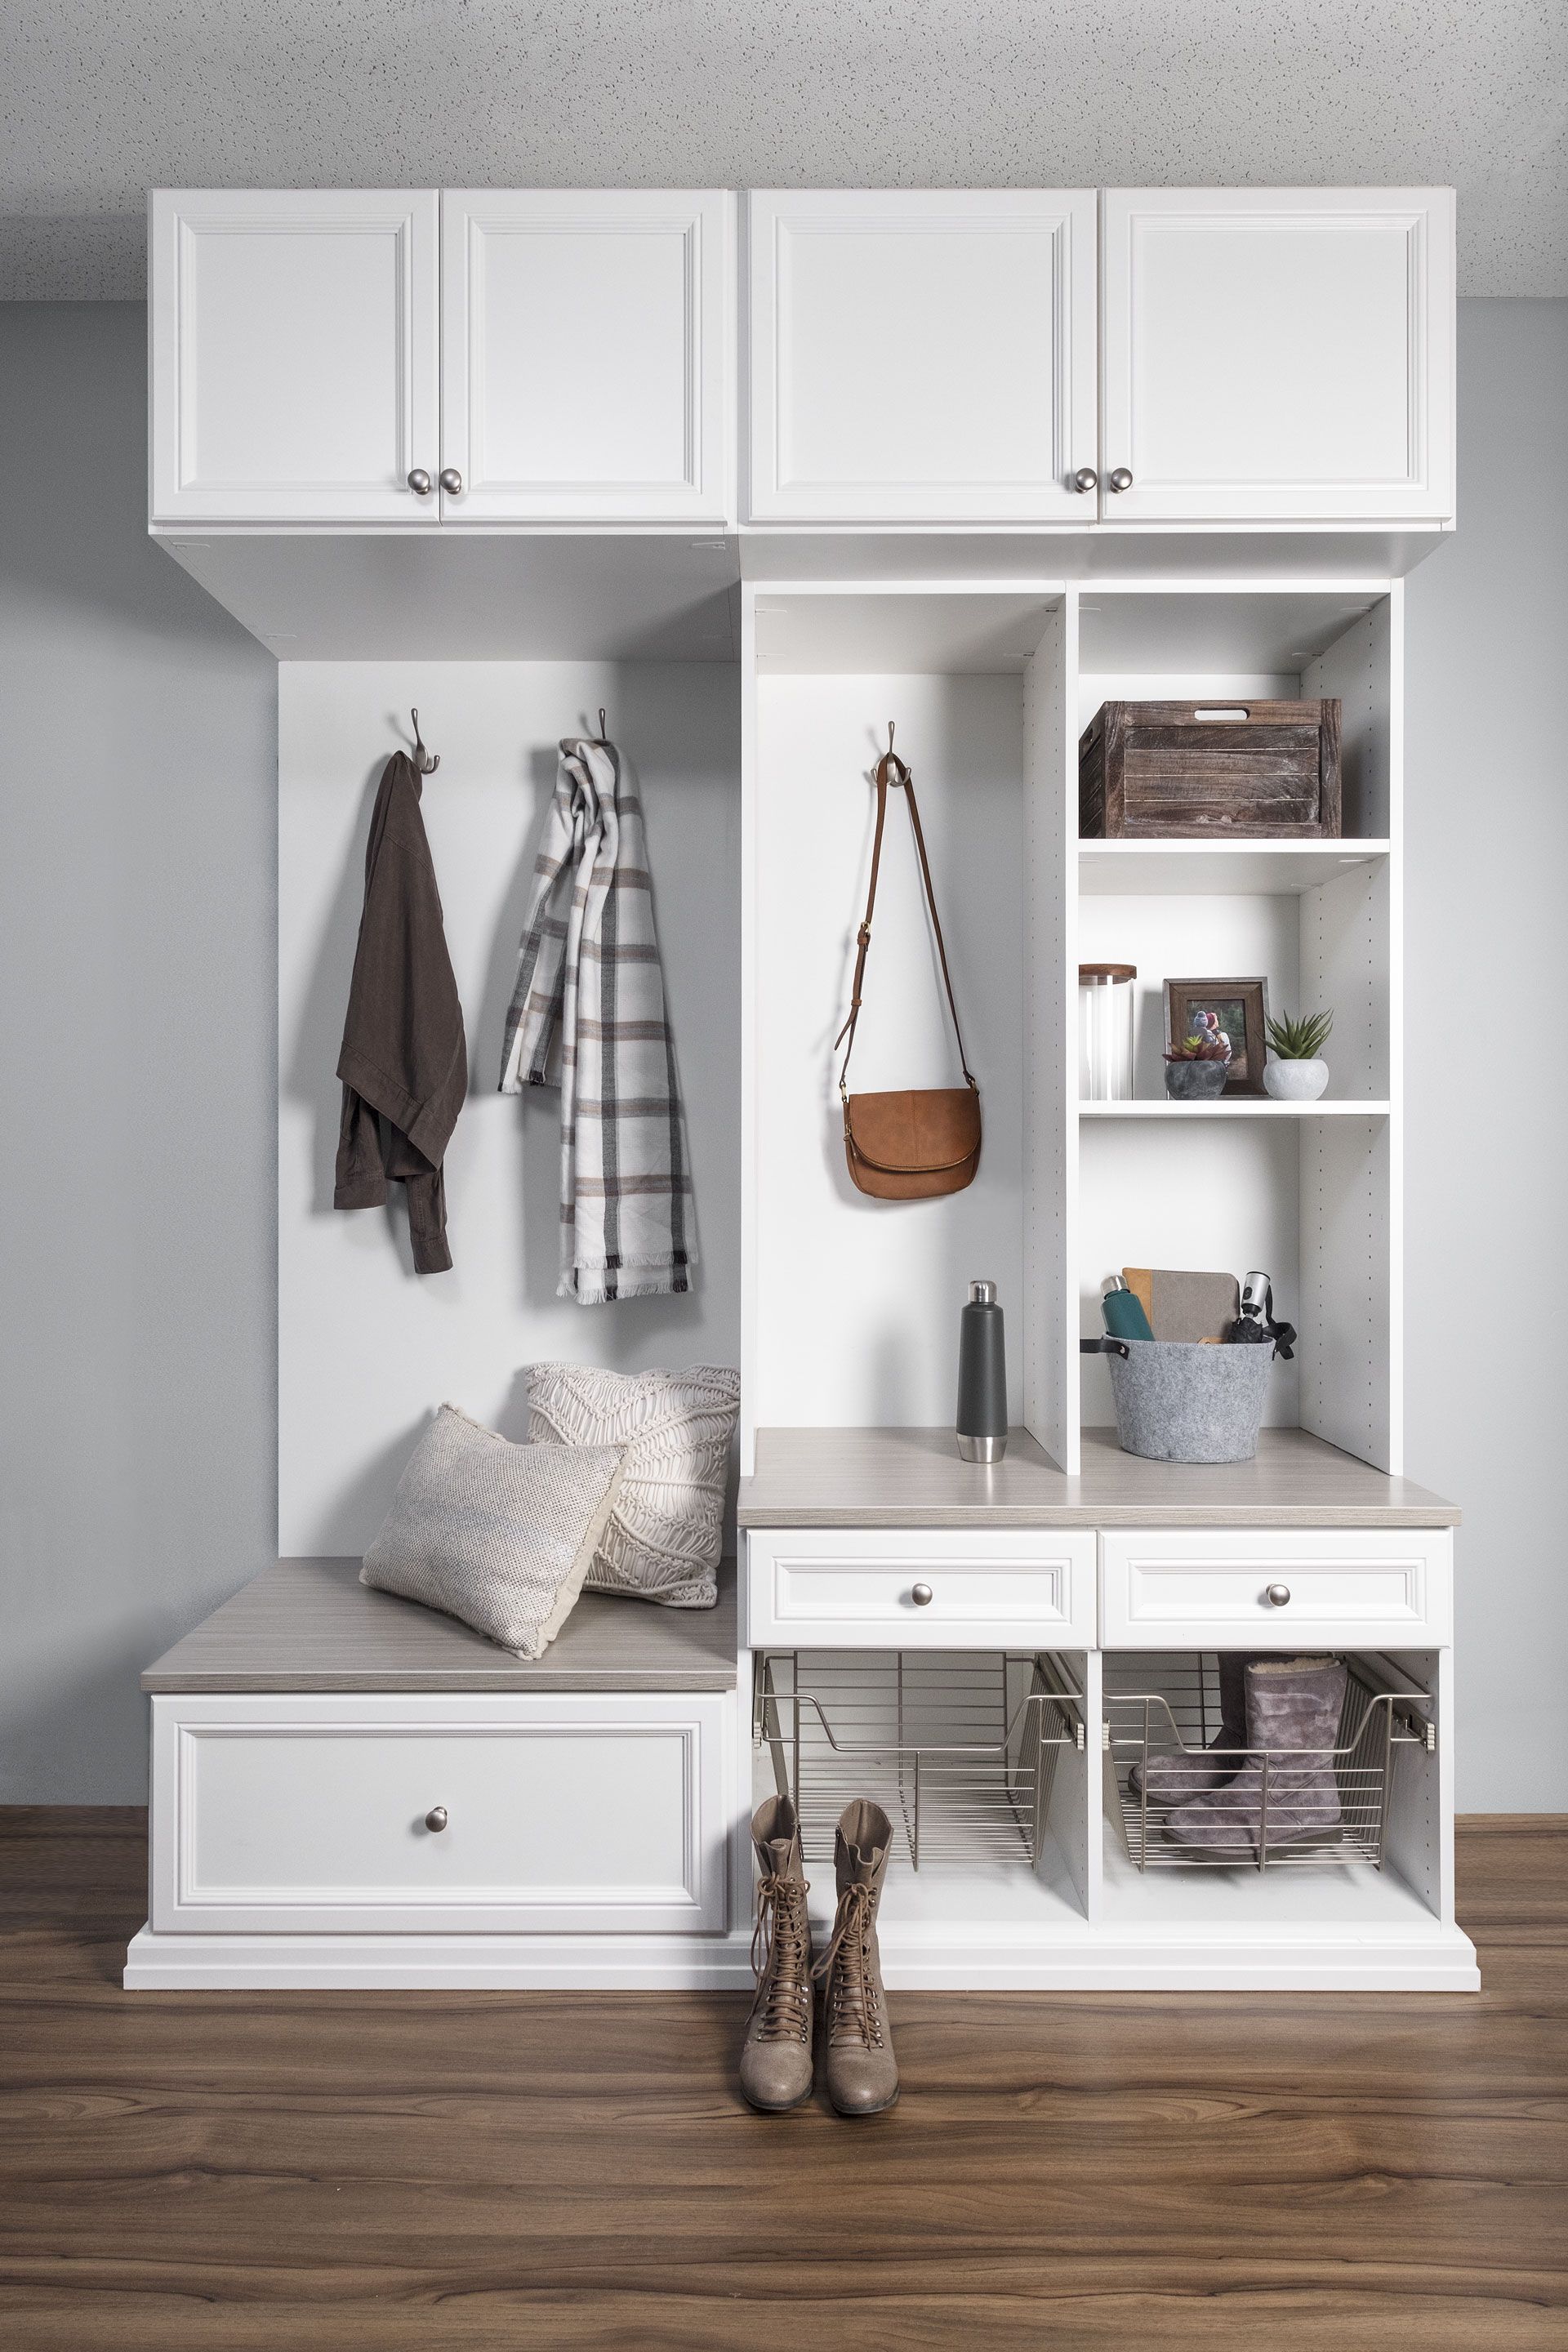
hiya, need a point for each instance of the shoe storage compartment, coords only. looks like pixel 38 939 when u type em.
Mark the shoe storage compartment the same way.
pixel 1160 1713
pixel 960 1748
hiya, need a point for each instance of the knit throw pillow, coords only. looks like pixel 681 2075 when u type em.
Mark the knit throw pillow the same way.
pixel 666 1531
pixel 497 1534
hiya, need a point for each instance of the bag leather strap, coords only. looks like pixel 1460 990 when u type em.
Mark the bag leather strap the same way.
pixel 891 770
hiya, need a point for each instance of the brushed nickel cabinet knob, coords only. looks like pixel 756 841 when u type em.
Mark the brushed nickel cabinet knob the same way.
pixel 1086 478
pixel 435 1819
pixel 1278 1595
pixel 921 1596
pixel 452 481
pixel 1122 479
pixel 419 482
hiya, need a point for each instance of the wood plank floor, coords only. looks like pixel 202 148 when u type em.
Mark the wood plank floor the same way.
pixel 317 2173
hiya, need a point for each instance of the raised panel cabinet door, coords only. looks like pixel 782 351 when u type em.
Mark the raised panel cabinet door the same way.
pixel 587 355
pixel 921 357
pixel 1278 356
pixel 294 355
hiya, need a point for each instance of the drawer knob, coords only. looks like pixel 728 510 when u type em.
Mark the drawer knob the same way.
pixel 435 1819
pixel 1278 1595
pixel 921 1596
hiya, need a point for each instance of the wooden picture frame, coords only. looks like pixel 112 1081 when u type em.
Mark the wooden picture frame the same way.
pixel 1249 1051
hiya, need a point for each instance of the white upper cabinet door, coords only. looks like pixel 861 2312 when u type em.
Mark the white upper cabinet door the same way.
pixel 586 355
pixel 1278 356
pixel 294 350
pixel 921 357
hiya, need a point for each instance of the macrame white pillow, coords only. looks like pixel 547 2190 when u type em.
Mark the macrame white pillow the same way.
pixel 666 1530
pixel 497 1534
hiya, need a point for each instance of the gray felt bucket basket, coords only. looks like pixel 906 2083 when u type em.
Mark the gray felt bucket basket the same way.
pixel 1180 1403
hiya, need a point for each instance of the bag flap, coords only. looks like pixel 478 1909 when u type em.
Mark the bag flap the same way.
pixel 918 1132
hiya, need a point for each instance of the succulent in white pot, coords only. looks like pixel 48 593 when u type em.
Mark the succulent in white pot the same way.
pixel 1296 1074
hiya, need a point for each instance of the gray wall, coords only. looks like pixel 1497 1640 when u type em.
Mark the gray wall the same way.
pixel 137 1016
pixel 137 1009
pixel 1487 916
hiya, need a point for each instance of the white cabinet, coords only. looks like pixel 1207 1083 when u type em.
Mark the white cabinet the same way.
pixel 293 355
pixel 335 357
pixel 921 357
pixel 1278 354
pixel 572 1812
pixel 585 355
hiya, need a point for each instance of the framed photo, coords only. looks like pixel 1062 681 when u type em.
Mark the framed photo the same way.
pixel 1240 1008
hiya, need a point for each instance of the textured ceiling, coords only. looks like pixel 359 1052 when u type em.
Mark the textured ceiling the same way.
pixel 102 99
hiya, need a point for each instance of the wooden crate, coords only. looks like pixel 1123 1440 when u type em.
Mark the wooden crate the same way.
pixel 1158 768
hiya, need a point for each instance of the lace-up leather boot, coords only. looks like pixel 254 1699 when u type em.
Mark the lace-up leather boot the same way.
pixel 775 2060
pixel 862 2073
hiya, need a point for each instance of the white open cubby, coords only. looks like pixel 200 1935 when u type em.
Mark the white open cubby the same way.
pixel 849 1304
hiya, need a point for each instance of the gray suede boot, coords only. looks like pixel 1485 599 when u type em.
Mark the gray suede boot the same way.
pixel 1293 1710
pixel 862 2075
pixel 1171 1780
pixel 776 2060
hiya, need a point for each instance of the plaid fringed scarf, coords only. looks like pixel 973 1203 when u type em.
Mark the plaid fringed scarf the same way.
pixel 587 1014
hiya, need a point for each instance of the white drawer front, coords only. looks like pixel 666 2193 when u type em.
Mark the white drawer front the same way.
pixel 855 1588
pixel 309 1814
pixel 1274 1588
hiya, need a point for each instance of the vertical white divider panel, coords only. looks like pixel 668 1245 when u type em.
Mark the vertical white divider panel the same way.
pixel 1353 1179
pixel 1050 1075
pixel 749 1037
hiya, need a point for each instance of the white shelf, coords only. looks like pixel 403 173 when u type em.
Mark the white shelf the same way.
pixel 1234 1106
pixel 1208 869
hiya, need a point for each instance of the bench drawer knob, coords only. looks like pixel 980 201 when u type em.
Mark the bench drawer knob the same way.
pixel 1278 1595
pixel 435 1819
pixel 921 1596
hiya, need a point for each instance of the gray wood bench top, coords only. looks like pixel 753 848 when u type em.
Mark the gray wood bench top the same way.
pixel 913 1477
pixel 311 1625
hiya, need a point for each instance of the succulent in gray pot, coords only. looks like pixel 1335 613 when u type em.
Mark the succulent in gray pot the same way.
pixel 1197 1068
pixel 1298 1074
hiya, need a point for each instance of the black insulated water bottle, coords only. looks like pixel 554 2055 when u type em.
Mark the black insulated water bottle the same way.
pixel 981 1377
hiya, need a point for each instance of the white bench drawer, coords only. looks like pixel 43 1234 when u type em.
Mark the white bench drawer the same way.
pixel 570 1812
pixel 856 1588
pixel 1275 1588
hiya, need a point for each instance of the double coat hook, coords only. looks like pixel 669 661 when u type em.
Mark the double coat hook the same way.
pixel 426 762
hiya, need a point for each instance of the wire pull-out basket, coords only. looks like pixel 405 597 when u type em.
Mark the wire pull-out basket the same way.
pixel 1161 1714
pixel 959 1748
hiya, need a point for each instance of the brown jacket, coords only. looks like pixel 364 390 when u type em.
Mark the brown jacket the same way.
pixel 404 1064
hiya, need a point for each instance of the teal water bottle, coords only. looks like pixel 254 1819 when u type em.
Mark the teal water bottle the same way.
pixel 1123 1312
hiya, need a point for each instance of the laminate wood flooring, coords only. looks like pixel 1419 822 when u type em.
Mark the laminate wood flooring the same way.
pixel 542 2172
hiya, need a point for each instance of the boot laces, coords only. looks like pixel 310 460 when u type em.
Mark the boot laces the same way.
pixel 779 1951
pixel 854 2011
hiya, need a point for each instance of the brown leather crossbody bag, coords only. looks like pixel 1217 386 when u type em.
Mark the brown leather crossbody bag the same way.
pixel 924 1142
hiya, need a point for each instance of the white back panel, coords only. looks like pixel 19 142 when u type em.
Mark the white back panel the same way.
pixel 858 1299
pixel 366 1348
